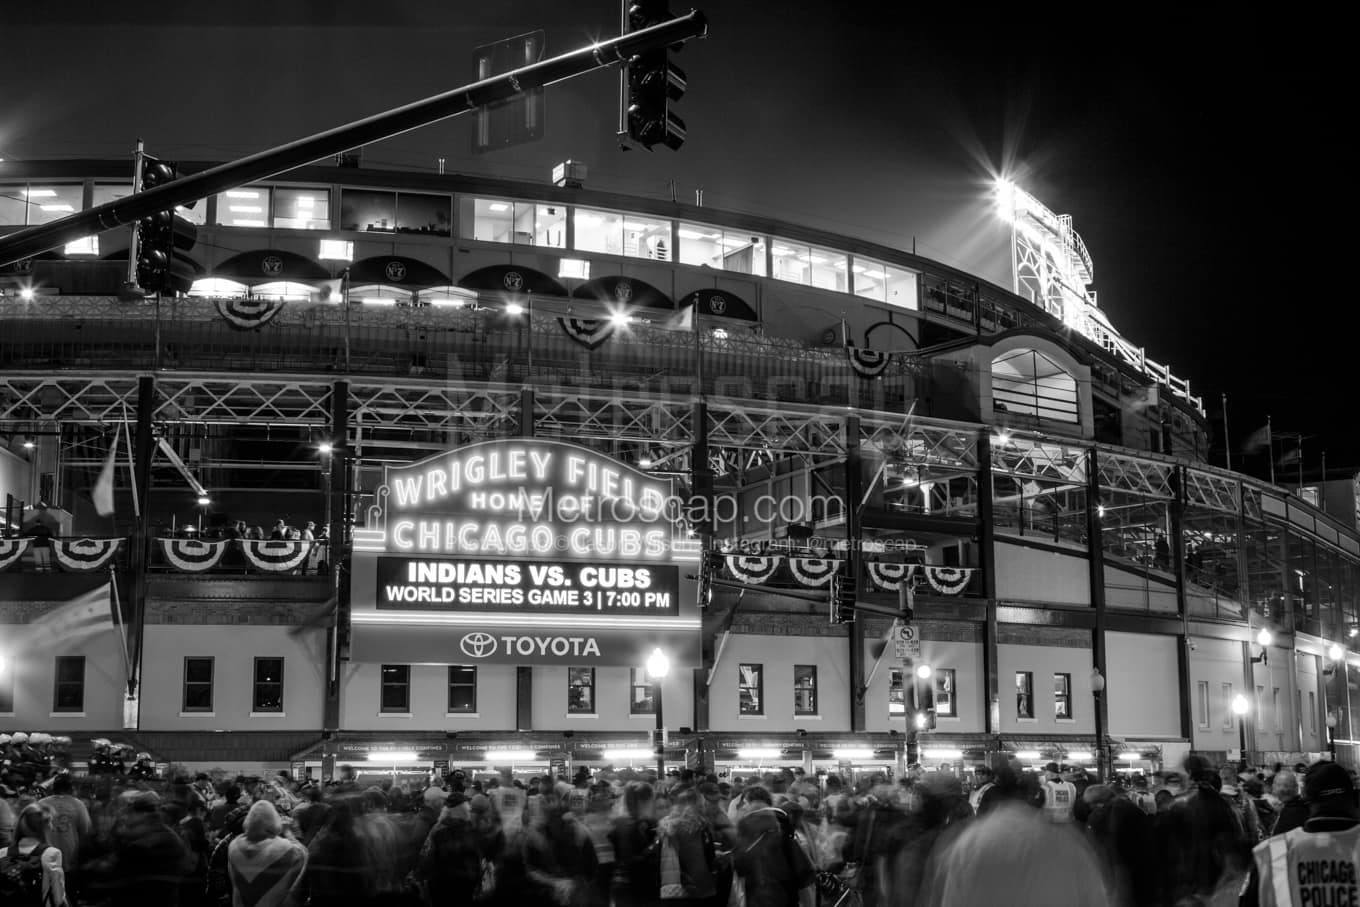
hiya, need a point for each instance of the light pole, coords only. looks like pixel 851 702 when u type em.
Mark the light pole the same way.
pixel 1239 707
pixel 658 665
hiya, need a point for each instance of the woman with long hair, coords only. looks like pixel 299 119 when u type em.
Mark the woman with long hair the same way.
pixel 38 861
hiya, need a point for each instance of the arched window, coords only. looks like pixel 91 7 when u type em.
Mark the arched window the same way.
pixel 1029 383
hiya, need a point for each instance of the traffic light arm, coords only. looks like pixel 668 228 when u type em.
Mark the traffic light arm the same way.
pixel 25 243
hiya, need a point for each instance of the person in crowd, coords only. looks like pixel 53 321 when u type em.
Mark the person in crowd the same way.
pixel 934 818
pixel 559 857
pixel 31 864
pixel 1200 849
pixel 1059 795
pixel 450 862
pixel 70 821
pixel 336 873
pixel 265 865
pixel 1316 864
pixel 1292 811
pixel 1122 834
pixel 280 530
pixel 637 850
pixel 772 867
pixel 1230 789
pixel 148 859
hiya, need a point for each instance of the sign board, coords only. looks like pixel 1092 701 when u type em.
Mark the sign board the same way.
pixel 906 642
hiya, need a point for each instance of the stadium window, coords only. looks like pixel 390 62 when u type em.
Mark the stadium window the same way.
pixel 1029 383
pixel 35 203
pixel 505 221
pixel 750 689
pixel 1202 703
pixel 247 206
pixel 790 261
pixel 616 233
pixel 396 689
pixel 462 689
pixel 302 209
pixel 1024 694
pixel 13 205
pixel 104 193
pixel 425 214
pixel 641 702
pixel 828 270
pixel 580 691
pixel 1062 697
pixel 68 694
pixel 1312 708
pixel 267 695
pixel 707 246
pixel 882 282
pixel 1275 708
pixel 6 683
pixel 368 211
pixel 946 705
pixel 805 689
pixel 897 697
pixel 1226 696
pixel 198 685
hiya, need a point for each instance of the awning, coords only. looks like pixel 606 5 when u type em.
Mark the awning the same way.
pixel 270 265
pixel 512 279
pixel 720 303
pixel 396 270
pixel 627 291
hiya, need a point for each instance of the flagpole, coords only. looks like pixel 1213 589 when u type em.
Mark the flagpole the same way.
pixel 118 620
pixel 344 300
pixel 1270 448
pixel 132 466
pixel 1227 439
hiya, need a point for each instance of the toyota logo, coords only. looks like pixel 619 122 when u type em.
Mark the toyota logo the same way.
pixel 478 645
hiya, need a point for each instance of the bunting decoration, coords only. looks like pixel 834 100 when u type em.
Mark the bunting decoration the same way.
pixel 867 363
pixel 84 555
pixel 248 314
pixel 588 332
pixel 11 550
pixel 192 555
pixel 889 577
pixel 753 570
pixel 947 580
pixel 813 572
pixel 276 555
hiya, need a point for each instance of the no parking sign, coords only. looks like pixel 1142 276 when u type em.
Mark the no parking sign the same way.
pixel 906 642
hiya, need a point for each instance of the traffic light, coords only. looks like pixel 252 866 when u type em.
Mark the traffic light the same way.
pixel 159 235
pixel 650 82
pixel 923 697
pixel 923 719
pixel 842 599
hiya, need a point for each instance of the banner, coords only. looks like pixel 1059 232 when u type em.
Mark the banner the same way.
pixel 192 555
pixel 947 580
pixel 276 555
pixel 812 572
pixel 11 550
pixel 588 332
pixel 84 555
pixel 753 570
pixel 889 577
pixel 867 363
pixel 248 314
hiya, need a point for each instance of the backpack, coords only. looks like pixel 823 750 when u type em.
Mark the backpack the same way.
pixel 21 877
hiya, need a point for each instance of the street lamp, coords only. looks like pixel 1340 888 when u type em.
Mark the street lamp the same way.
pixel 658 665
pixel 1239 707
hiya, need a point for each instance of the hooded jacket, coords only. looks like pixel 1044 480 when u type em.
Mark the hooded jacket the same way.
pixel 264 872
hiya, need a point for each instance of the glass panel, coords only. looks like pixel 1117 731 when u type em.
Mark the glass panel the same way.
pixel 870 280
pixel 751 701
pixel 1225 703
pixel 427 214
pixel 642 702
pixel 897 697
pixel 302 209
pixel 70 686
pixel 6 678
pixel 599 231
pixel 1202 700
pixel 108 192
pixel 13 206
pixel 1062 695
pixel 47 202
pixel 1031 384
pixel 701 245
pixel 902 288
pixel 198 670
pixel 247 206
pixel 462 688
pixel 396 688
pixel 791 260
pixel 632 235
pixel 549 224
pixel 827 270
pixel 944 693
pixel 268 685
pixel 368 211
pixel 581 690
pixel 486 219
pixel 647 237
pixel 198 674
pixel 805 689
pixel 1024 694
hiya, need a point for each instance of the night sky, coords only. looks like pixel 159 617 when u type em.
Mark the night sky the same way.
pixel 1199 153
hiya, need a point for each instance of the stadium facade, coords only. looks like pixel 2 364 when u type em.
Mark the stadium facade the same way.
pixel 550 430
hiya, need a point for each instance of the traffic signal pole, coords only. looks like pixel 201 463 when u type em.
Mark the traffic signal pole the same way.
pixel 265 164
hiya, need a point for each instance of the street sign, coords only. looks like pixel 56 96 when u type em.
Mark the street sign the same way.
pixel 906 642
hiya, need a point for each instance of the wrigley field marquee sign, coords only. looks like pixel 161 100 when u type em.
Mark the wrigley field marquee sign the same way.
pixel 522 551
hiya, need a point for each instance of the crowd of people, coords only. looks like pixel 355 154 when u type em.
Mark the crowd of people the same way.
pixel 1002 836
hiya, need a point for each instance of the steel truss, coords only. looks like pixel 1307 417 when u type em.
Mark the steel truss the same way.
pixel 1212 492
pixel 1146 478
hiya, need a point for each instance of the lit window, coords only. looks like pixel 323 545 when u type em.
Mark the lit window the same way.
pixel 946 706
pixel 336 250
pixel 630 235
pixel 805 689
pixel 247 206
pixel 426 214
pixel 1226 693
pixel 1202 703
pixel 1062 696
pixel 1029 383
pixel 641 702
pixel 703 245
pixel 396 688
pixel 38 204
pixel 580 691
pixel 884 283
pixel 897 697
pixel 751 689
pixel 790 261
pixel 89 245
pixel 1024 694
pixel 368 211
pixel 267 695
pixel 109 192
pixel 506 221
pixel 6 685
pixel 462 689
pixel 302 209
pixel 828 270
pixel 198 685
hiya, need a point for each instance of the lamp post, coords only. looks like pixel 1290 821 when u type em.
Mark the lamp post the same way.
pixel 1103 767
pixel 658 665
pixel 1239 707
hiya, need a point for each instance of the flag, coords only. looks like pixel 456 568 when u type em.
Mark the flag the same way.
pixel 682 320
pixel 332 290
pixel 1291 457
pixel 1257 440
pixel 103 486
pixel 84 616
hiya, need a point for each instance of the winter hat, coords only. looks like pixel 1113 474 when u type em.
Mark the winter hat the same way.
pixel 1325 781
pixel 1051 767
